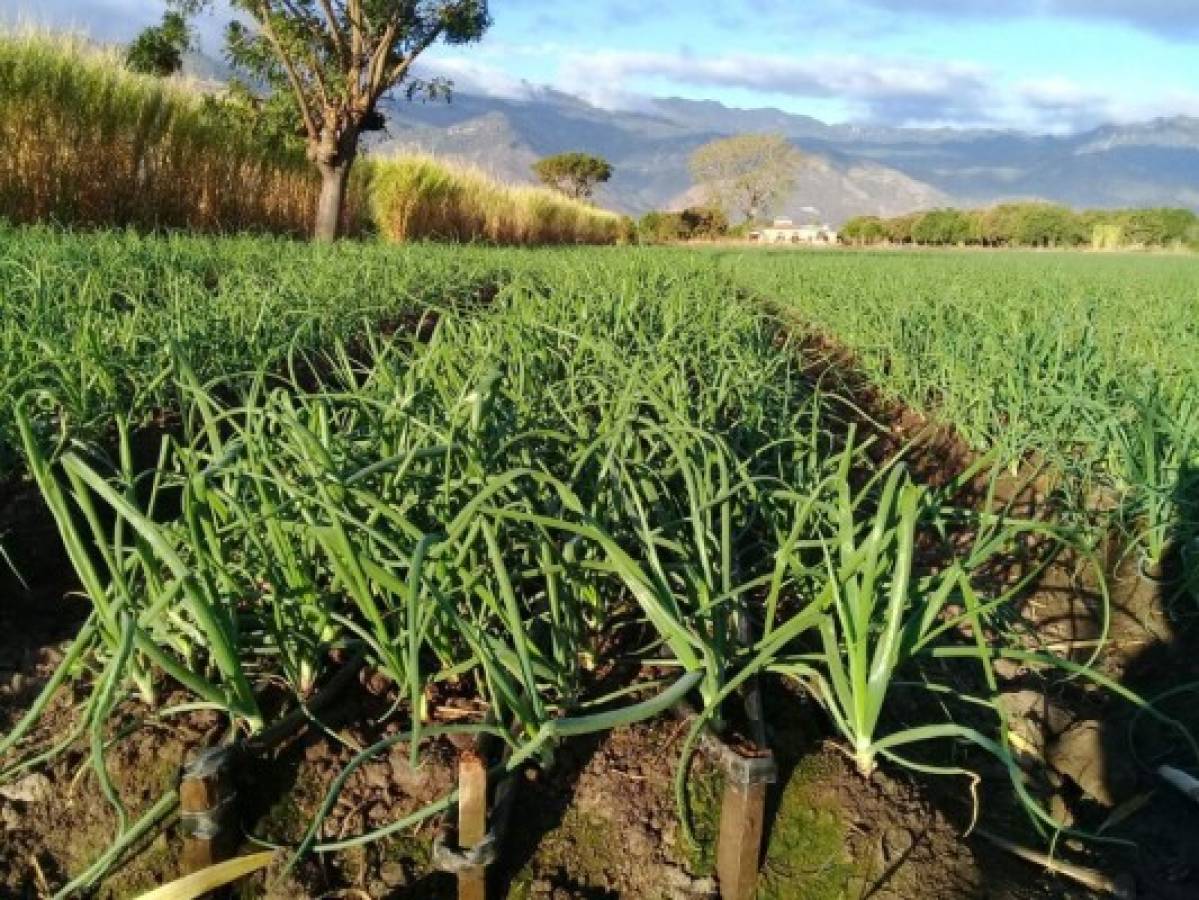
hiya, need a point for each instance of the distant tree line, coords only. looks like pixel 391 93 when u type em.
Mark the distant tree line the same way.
pixel 1030 225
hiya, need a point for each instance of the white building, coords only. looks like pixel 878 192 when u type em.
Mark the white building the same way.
pixel 785 231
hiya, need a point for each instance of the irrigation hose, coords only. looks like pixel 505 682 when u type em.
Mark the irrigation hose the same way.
pixel 1121 887
pixel 453 859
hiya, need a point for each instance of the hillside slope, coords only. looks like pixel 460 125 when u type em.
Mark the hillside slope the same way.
pixel 852 170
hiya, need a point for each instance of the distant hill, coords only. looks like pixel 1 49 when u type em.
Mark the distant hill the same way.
pixel 853 169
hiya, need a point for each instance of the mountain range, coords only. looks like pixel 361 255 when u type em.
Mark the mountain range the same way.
pixel 851 170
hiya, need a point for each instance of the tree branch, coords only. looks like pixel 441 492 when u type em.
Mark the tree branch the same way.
pixel 338 39
pixel 297 86
pixel 378 66
pixel 400 70
pixel 314 63
pixel 354 15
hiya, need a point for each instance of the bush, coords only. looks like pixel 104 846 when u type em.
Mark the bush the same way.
pixel 899 230
pixel 942 227
pixel 865 230
pixel 1031 225
pixel 705 223
pixel 1191 238
pixel 1045 225
pixel 662 228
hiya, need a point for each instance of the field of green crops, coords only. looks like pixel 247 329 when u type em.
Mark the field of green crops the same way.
pixel 1088 363
pixel 572 487
pixel 91 326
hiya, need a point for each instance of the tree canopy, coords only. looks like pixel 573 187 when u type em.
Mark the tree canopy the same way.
pixel 747 175
pixel 337 59
pixel 573 174
pixel 158 50
pixel 702 223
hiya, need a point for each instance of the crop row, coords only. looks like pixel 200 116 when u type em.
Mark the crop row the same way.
pixel 616 467
pixel 91 322
pixel 1088 365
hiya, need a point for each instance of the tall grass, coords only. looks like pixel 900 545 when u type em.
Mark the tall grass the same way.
pixel 422 198
pixel 84 141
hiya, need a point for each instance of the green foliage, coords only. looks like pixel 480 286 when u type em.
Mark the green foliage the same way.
pixel 1191 237
pixel 270 120
pixel 1088 364
pixel 338 66
pixel 661 228
pixel 1151 227
pixel 512 469
pixel 1044 225
pixel 942 226
pixel 113 303
pixel 900 229
pixel 1031 225
pixel 705 223
pixel 614 457
pixel 865 230
pixel 159 49
pixel 695 223
pixel 573 174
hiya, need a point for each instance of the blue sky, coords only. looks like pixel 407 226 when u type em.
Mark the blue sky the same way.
pixel 1043 65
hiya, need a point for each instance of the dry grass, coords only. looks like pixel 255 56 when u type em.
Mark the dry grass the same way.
pixel 422 198
pixel 89 143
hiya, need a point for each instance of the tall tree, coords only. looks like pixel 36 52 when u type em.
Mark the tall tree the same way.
pixel 573 174
pixel 749 175
pixel 158 50
pixel 337 59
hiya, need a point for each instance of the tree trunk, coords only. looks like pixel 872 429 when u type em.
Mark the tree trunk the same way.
pixel 334 179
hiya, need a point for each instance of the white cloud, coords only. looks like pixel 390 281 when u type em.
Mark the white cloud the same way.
pixel 1060 104
pixel 1172 19
pixel 475 77
pixel 877 87
pixel 875 90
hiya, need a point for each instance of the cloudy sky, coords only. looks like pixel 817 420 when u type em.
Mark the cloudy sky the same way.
pixel 1043 65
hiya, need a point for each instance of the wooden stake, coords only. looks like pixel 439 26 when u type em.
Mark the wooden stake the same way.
pixel 739 850
pixel 472 822
pixel 206 798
